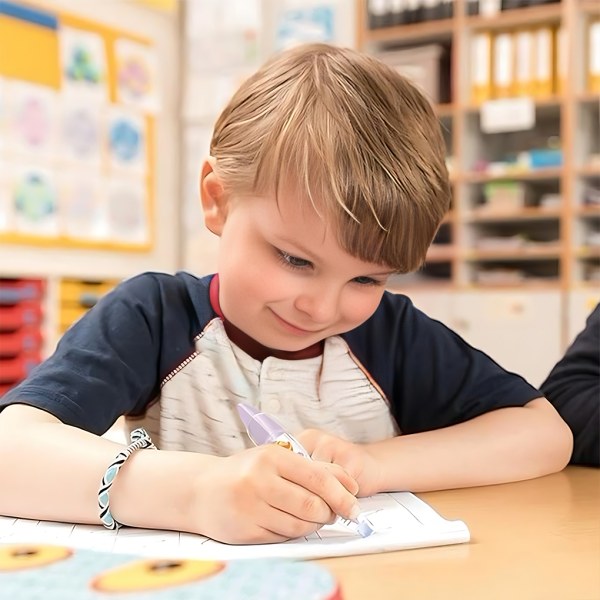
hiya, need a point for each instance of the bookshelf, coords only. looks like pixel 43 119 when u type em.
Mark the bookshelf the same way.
pixel 541 246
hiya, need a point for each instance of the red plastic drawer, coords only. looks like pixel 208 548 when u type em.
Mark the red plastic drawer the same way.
pixel 4 387
pixel 15 369
pixel 14 291
pixel 19 315
pixel 25 339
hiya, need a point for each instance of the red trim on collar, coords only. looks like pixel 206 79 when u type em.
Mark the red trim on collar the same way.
pixel 255 349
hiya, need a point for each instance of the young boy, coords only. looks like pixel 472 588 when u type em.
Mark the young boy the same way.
pixel 326 176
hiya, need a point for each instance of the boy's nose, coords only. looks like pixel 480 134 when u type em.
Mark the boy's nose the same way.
pixel 320 304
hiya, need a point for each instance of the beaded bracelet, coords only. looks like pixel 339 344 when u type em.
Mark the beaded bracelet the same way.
pixel 139 440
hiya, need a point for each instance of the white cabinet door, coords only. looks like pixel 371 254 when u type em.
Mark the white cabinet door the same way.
pixel 520 330
pixel 437 305
pixel 580 304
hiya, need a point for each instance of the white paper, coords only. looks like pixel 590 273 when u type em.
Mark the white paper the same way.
pixel 510 114
pixel 403 520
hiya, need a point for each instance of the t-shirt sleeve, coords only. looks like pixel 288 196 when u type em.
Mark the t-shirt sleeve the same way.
pixel 573 387
pixel 432 377
pixel 105 365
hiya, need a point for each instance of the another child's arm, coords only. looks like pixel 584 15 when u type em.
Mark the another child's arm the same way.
pixel 573 388
pixel 260 495
pixel 508 444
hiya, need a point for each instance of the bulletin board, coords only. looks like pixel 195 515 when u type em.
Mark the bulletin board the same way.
pixel 78 102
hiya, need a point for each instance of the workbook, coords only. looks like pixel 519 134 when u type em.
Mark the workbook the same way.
pixel 400 521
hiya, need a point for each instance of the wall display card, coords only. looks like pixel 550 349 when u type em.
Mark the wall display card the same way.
pixel 83 63
pixel 136 75
pixel 34 200
pixel 3 109
pixel 126 141
pixel 207 16
pixel 305 25
pixel 6 212
pixel 83 206
pixel 81 131
pixel 31 112
pixel 127 211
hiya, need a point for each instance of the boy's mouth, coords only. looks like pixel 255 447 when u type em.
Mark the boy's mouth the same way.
pixel 291 327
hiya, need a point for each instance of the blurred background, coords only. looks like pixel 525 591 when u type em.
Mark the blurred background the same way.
pixel 106 112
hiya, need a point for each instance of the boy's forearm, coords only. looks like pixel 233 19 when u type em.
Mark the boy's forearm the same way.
pixel 55 471
pixel 504 445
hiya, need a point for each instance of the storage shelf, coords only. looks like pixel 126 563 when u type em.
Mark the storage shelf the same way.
pixel 526 253
pixel 440 253
pixel 569 112
pixel 586 252
pixel 527 283
pixel 525 214
pixel 549 173
pixel 540 103
pixel 588 97
pixel 532 15
pixel 428 30
pixel 592 170
pixel 587 211
pixel 589 7
pixel 445 110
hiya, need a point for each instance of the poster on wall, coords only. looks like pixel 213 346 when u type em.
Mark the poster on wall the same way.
pixel 83 206
pixel 76 126
pixel 137 73
pixel 34 199
pixel 31 116
pixel 83 63
pixel 126 141
pixel 82 131
pixel 305 25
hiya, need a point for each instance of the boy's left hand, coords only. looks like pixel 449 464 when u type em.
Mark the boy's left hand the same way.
pixel 355 459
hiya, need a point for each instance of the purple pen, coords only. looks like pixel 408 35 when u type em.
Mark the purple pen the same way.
pixel 264 429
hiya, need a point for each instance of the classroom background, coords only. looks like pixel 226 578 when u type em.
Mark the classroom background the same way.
pixel 106 110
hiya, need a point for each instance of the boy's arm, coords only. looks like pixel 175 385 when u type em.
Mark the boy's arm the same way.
pixel 262 494
pixel 507 444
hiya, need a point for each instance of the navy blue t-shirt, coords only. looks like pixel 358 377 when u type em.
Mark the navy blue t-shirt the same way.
pixel 156 341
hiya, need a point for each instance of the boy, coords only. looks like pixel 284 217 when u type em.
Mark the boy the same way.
pixel 573 388
pixel 326 176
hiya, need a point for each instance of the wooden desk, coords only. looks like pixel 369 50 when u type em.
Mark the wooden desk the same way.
pixel 532 540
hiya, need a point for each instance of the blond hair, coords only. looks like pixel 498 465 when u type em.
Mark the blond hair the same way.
pixel 354 136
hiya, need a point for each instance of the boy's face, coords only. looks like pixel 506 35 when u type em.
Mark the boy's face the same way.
pixel 284 279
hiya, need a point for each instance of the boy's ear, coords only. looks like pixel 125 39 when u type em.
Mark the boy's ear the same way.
pixel 213 198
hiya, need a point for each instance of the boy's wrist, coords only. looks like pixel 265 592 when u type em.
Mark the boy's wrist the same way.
pixel 159 490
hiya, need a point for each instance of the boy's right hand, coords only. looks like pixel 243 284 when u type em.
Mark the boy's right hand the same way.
pixel 269 494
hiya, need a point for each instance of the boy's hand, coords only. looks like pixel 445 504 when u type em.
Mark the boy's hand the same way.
pixel 269 494
pixel 355 459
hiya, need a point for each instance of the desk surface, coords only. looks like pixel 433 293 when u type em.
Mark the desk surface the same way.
pixel 537 539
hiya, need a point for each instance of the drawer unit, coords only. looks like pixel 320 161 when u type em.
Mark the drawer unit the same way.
pixel 24 314
pixel 14 291
pixel 25 339
pixel 21 319
pixel 13 370
pixel 77 297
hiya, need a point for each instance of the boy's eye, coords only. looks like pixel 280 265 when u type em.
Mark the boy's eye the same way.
pixel 293 261
pixel 366 281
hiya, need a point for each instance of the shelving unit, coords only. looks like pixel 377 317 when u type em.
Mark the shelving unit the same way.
pixel 570 116
pixel 548 247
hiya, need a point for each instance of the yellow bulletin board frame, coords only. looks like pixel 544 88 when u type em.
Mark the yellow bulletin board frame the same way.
pixel 31 53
